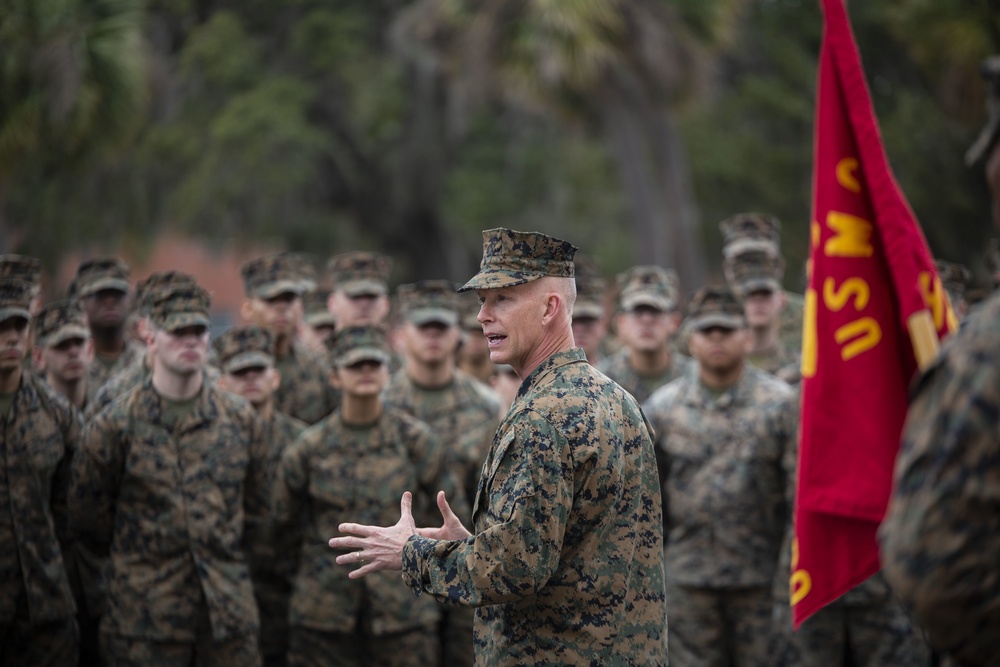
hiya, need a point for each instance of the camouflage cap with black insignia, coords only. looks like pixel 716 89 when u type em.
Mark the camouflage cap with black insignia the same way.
pixel 590 288
pixel 316 311
pixel 429 301
pixel 355 344
pixel 107 272
pixel 269 276
pixel 754 270
pixel 980 149
pixel 15 299
pixel 59 321
pixel 179 306
pixel 514 258
pixel 145 289
pixel 714 306
pixel 750 231
pixel 22 267
pixel 242 347
pixel 647 285
pixel 360 273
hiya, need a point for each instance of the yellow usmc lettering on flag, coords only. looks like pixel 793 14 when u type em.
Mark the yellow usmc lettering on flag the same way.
pixel 851 238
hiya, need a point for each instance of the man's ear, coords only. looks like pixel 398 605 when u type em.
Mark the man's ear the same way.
pixel 275 379
pixel 334 377
pixel 246 310
pixel 37 358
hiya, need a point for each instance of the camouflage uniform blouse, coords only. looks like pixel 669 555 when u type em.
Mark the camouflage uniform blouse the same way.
pixel 334 472
pixel 305 392
pixel 462 416
pixel 168 505
pixel 641 387
pixel 724 495
pixel 98 373
pixel 39 435
pixel 566 566
pixel 941 534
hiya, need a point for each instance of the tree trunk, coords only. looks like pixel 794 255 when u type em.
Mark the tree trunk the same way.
pixel 687 250
pixel 628 140
pixel 6 232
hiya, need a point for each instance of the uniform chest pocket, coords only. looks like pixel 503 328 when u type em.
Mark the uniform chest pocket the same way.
pixel 332 485
pixel 227 461
pixel 509 488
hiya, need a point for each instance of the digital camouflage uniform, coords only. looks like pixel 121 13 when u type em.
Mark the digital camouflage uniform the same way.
pixel 463 415
pixel 40 432
pixel 173 502
pixel 94 275
pixel 336 470
pixel 657 288
pixel 305 391
pixel 752 261
pixel 565 564
pixel 941 538
pixel 239 348
pixel 642 387
pixel 724 502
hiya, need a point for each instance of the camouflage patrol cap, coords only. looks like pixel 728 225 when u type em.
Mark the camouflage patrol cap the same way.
pixel 514 258
pixel 714 306
pixel 15 299
pixel 990 70
pixel 247 346
pixel 317 313
pixel 590 288
pixel 271 275
pixel 647 285
pixel 306 265
pixel 60 321
pixel 750 231
pixel 180 306
pixel 22 267
pixel 754 270
pixel 147 288
pixel 107 272
pixel 360 273
pixel 429 301
pixel 955 278
pixel 353 344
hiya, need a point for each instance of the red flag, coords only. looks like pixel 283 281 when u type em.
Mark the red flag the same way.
pixel 875 311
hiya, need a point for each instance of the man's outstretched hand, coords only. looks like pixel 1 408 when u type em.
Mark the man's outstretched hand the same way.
pixel 376 548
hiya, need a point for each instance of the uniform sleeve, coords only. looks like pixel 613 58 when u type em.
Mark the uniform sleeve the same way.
pixel 530 497
pixel 257 494
pixel 288 495
pixel 941 536
pixel 95 477
pixel 69 426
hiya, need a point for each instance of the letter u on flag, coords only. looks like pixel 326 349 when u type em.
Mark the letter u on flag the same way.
pixel 875 311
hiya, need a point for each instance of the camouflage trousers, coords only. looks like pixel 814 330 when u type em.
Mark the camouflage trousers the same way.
pixel 54 644
pixel 457 646
pixel 710 627
pixel 869 635
pixel 205 652
pixel 316 648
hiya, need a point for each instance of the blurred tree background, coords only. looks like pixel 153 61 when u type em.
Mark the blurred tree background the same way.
pixel 630 127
